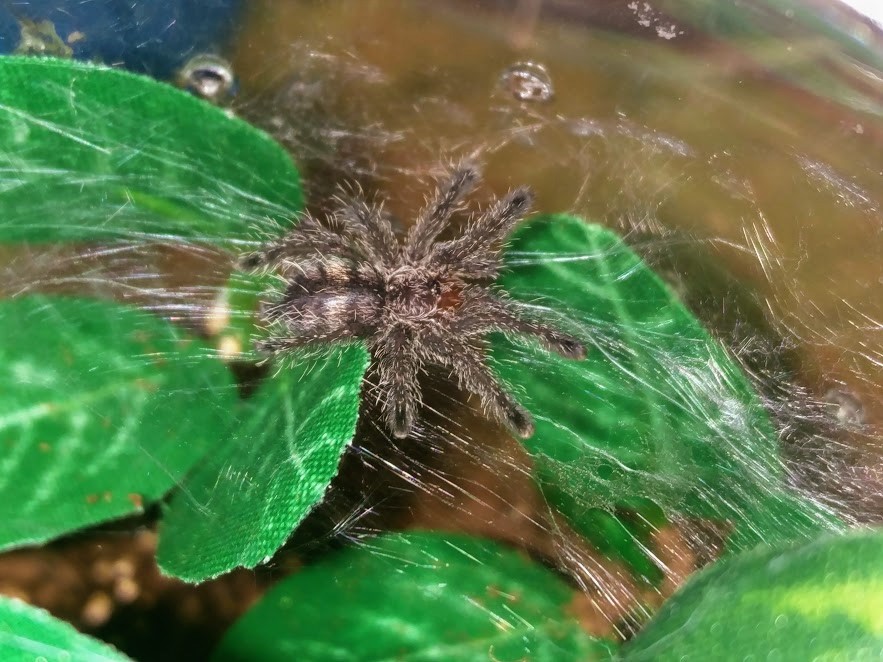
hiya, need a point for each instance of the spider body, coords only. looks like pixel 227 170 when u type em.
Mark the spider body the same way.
pixel 415 303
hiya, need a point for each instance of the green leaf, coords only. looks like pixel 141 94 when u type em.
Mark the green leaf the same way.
pixel 103 408
pixel 241 505
pixel 416 596
pixel 658 412
pixel 91 153
pixel 817 601
pixel 626 537
pixel 28 634
pixel 234 319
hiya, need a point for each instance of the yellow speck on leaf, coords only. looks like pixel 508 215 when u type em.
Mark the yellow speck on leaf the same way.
pixel 860 601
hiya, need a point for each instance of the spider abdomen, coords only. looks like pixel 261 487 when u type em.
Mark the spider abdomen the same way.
pixel 330 313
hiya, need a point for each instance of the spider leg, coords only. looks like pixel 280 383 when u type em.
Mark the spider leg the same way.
pixel 308 236
pixel 475 251
pixel 397 365
pixel 468 365
pixel 441 206
pixel 367 225
pixel 482 312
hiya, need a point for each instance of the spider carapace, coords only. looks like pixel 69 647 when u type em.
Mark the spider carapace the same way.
pixel 416 302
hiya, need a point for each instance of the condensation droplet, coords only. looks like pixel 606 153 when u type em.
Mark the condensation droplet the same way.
pixel 845 407
pixel 527 81
pixel 207 76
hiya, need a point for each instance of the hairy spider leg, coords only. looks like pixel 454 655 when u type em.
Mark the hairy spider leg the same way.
pixel 434 218
pixel 398 364
pixel 307 237
pixel 477 251
pixel 482 312
pixel 467 363
pixel 361 217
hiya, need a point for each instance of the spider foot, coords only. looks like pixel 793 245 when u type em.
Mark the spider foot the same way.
pixel 566 346
pixel 518 419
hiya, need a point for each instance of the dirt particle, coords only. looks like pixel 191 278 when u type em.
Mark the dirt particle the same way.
pixel 97 610
pixel 126 590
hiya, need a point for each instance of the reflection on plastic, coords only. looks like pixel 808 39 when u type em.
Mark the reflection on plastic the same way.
pixel 528 81
pixel 148 37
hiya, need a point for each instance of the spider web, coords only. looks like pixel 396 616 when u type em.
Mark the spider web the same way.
pixel 737 217
pixel 759 210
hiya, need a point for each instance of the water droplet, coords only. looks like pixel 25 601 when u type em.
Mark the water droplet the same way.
pixel 527 81
pixel 845 407
pixel 207 76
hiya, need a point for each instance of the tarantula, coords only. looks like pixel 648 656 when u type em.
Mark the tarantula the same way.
pixel 419 302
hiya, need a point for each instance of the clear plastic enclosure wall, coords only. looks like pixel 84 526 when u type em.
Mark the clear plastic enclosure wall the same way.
pixel 736 150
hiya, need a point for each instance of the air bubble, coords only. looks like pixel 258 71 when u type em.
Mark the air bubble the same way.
pixel 207 76
pixel 527 81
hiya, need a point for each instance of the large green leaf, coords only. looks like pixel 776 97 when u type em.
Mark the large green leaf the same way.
pixel 817 601
pixel 28 634
pixel 103 408
pixel 657 413
pixel 95 153
pixel 416 596
pixel 241 505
